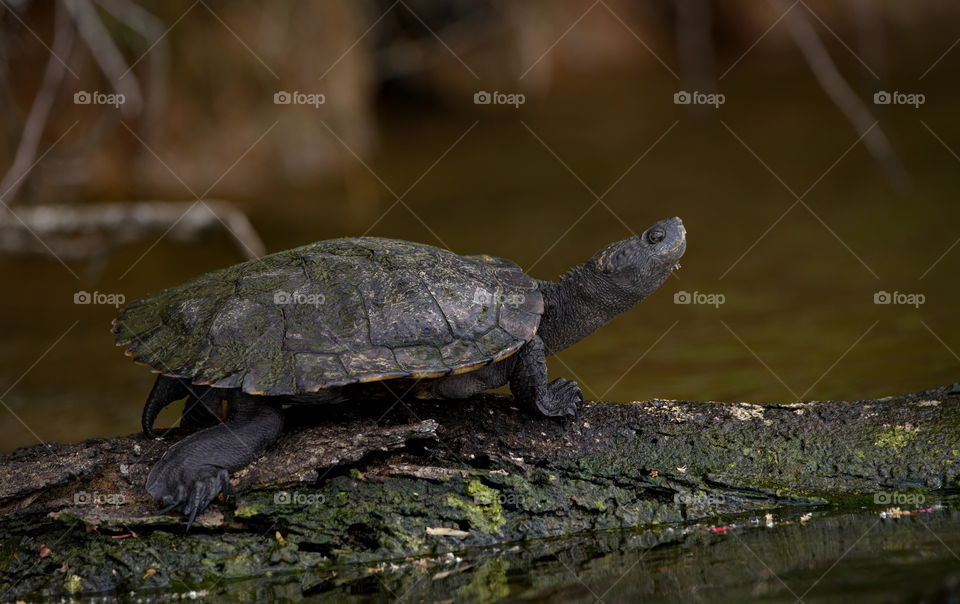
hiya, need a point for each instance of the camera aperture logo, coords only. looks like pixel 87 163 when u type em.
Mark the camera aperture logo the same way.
pixel 284 298
pixel 914 99
pixel 482 97
pixel 685 297
pixel 95 97
pixel 87 498
pixel 85 297
pixel 900 298
pixel 296 498
pixel 485 297
pixel 284 97
pixel 695 97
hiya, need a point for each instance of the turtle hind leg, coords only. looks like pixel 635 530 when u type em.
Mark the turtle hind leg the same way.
pixel 195 470
pixel 165 391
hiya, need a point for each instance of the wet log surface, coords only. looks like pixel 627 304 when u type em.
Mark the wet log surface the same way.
pixel 367 484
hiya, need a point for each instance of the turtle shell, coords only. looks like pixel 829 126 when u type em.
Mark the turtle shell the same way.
pixel 333 313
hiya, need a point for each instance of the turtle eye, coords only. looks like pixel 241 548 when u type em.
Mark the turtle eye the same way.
pixel 655 236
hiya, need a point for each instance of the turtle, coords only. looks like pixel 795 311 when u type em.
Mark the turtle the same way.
pixel 334 320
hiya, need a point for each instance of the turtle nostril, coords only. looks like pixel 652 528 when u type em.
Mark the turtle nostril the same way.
pixel 655 236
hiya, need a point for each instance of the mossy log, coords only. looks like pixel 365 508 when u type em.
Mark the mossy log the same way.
pixel 361 485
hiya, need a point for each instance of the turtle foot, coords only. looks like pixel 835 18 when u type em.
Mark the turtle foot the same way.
pixel 195 470
pixel 188 490
pixel 562 398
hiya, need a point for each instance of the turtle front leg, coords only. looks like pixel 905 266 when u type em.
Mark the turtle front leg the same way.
pixel 529 384
pixel 195 470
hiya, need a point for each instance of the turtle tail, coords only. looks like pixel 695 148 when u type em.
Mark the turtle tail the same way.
pixel 165 391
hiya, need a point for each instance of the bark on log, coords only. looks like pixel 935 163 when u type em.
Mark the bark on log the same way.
pixel 365 484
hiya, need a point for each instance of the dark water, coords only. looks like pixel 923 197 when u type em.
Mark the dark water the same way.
pixel 829 558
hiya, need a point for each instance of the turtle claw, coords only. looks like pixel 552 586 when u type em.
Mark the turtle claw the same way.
pixel 204 491
pixel 187 490
pixel 169 504
pixel 561 399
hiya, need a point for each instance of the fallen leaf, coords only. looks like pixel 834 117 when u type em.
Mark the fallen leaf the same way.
pixel 446 532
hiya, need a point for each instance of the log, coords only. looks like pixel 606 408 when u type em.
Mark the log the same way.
pixel 350 489
pixel 89 231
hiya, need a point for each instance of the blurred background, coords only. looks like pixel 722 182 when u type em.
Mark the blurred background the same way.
pixel 810 147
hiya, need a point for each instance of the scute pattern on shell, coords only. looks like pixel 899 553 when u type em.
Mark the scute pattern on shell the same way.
pixel 333 313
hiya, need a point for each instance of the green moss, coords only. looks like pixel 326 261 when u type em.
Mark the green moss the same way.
pixel 73 584
pixel 483 510
pixel 481 493
pixel 896 437
pixel 247 509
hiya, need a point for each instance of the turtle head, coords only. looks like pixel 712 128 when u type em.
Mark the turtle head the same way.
pixel 640 264
pixel 614 280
